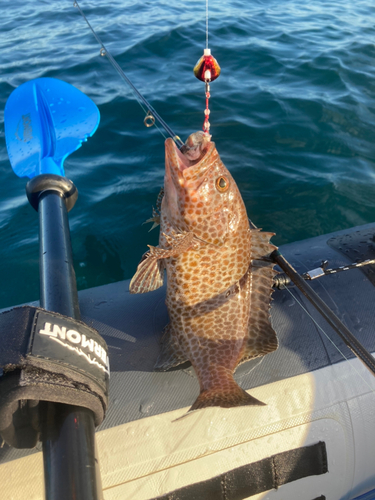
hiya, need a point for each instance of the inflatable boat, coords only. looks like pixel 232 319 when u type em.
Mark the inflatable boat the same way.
pixel 313 440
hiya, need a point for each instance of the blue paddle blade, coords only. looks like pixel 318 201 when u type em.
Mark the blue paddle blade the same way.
pixel 45 121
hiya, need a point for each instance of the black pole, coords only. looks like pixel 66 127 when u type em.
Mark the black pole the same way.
pixel 68 433
pixel 58 289
pixel 354 345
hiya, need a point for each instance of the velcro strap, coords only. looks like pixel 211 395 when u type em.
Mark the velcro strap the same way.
pixel 49 357
pixel 257 477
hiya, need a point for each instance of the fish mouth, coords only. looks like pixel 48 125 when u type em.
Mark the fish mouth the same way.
pixel 196 148
pixel 183 161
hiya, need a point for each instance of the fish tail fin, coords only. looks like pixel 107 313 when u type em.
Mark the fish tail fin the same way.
pixel 235 396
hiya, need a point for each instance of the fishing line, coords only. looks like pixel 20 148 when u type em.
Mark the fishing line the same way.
pixel 151 114
pixel 327 336
pixel 207 70
pixel 206 24
pixel 259 361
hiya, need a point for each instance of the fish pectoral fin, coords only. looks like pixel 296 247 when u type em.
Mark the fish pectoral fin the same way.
pixel 149 275
pixel 150 271
pixel 171 354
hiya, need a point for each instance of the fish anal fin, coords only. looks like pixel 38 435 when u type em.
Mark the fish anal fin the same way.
pixel 229 398
pixel 262 340
pixel 171 354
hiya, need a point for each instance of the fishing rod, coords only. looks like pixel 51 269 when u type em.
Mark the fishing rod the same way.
pixel 151 114
pixel 345 334
pixel 282 280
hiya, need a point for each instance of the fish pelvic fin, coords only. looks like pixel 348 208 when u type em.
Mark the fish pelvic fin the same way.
pixel 235 396
pixel 155 219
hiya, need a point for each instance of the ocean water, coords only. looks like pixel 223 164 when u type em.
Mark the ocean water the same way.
pixel 292 115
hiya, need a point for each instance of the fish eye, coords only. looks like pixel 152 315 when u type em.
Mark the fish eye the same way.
pixel 222 184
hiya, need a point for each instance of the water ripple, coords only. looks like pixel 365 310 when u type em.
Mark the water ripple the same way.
pixel 292 114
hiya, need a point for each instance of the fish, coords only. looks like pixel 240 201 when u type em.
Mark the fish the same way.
pixel 219 274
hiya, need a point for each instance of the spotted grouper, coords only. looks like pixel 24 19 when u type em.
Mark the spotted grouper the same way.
pixel 219 275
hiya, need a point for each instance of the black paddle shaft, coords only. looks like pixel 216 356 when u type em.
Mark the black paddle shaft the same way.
pixel 68 432
pixel 354 345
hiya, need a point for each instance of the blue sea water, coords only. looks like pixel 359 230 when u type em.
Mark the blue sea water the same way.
pixel 292 115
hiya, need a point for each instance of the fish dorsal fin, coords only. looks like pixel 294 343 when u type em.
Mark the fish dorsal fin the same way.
pixel 171 354
pixel 260 244
pixel 261 338
pixel 159 200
